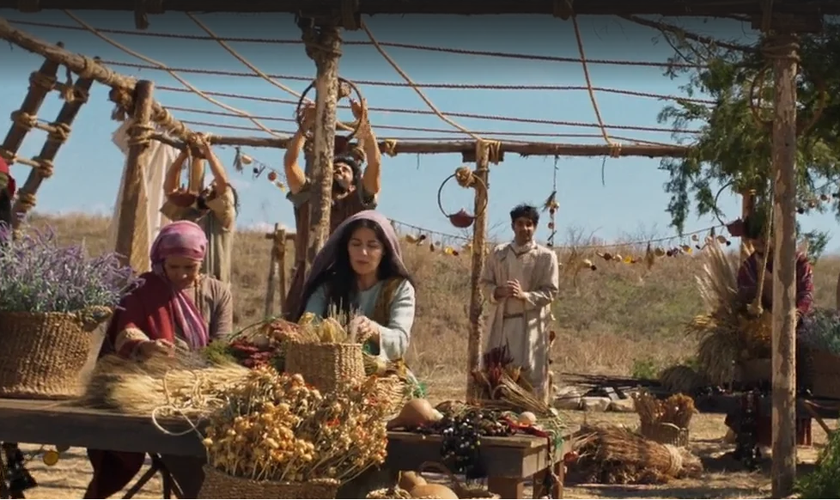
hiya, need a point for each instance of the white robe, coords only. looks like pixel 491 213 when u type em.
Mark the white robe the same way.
pixel 523 324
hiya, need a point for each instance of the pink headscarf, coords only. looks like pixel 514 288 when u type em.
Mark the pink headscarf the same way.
pixel 182 239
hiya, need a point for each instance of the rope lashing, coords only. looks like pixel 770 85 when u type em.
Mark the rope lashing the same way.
pixel 27 201
pixel 615 150
pixel 42 81
pixel 140 134
pixel 8 156
pixel 59 132
pixel 73 93
pixel 493 150
pixel 321 44
pixel 44 167
pixel 24 120
pixel 389 147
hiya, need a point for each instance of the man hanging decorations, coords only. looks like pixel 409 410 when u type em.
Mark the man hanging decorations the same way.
pixel 7 192
pixel 522 279
pixel 354 189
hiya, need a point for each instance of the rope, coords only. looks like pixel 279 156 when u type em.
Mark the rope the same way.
pixel 411 83
pixel 450 236
pixel 396 45
pixel 59 132
pixel 163 67
pixel 241 59
pixel 409 111
pixel 591 92
pixel 675 463
pixel 24 120
pixel 436 85
pixel 45 82
pixel 405 128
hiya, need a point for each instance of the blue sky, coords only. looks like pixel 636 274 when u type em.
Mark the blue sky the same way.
pixel 630 202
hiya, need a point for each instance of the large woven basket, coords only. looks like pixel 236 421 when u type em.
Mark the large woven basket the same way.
pixel 220 485
pixel 824 375
pixel 45 355
pixel 326 366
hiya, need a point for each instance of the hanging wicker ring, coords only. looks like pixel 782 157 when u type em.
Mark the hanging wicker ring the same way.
pixel 346 89
pixel 465 178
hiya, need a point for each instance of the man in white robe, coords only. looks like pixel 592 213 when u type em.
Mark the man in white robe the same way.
pixel 521 280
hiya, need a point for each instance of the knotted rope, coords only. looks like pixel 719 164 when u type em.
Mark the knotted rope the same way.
pixel 675 464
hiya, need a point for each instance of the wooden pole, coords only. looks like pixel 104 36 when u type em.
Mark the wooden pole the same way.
pixel 784 53
pixel 479 254
pixel 41 82
pixel 272 265
pixel 394 147
pixel 323 45
pixel 450 7
pixel 747 208
pixel 132 232
pixel 280 244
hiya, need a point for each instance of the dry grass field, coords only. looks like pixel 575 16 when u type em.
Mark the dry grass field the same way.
pixel 619 319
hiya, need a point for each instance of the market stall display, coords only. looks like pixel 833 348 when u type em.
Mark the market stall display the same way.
pixel 275 436
pixel 53 299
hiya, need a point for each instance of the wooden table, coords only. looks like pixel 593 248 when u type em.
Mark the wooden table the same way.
pixel 509 461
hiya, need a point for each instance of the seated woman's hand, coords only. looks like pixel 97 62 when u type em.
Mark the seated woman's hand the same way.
pixel 364 329
pixel 151 348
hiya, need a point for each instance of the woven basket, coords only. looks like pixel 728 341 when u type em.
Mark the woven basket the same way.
pixel 393 493
pixel 220 485
pixel 665 433
pixel 44 355
pixel 460 489
pixel 325 366
pixel 395 391
pixel 824 375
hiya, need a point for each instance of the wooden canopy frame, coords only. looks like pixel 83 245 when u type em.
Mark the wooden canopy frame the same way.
pixel 321 20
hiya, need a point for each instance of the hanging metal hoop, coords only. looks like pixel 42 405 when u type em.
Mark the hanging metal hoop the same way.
pixel 345 89
pixel 462 219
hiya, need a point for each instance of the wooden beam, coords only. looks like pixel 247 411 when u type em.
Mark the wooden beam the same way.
pixel 323 45
pixel 783 474
pixel 41 82
pixel 468 147
pixel 89 68
pixel 479 256
pixel 699 8
pixel 132 232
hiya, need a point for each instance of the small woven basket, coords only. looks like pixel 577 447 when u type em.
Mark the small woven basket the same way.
pixel 393 493
pixel 665 433
pixel 460 489
pixel 217 484
pixel 394 390
pixel 325 366
pixel 44 355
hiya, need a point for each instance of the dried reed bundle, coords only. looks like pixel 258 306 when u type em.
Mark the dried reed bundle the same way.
pixel 184 385
pixel 727 333
pixel 615 455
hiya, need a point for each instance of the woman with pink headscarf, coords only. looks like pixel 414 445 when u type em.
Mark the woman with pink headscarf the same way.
pixel 175 306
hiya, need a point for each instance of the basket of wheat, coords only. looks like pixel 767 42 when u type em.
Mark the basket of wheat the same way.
pixel 665 421
pixel 277 437
pixel 325 354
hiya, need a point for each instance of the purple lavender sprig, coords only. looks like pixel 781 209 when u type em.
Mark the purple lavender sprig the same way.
pixel 38 275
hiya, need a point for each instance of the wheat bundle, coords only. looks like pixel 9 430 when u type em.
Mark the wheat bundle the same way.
pixel 615 455
pixel 183 385
pixel 727 333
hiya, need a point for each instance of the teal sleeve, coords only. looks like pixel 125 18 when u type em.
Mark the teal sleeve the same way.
pixel 394 337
